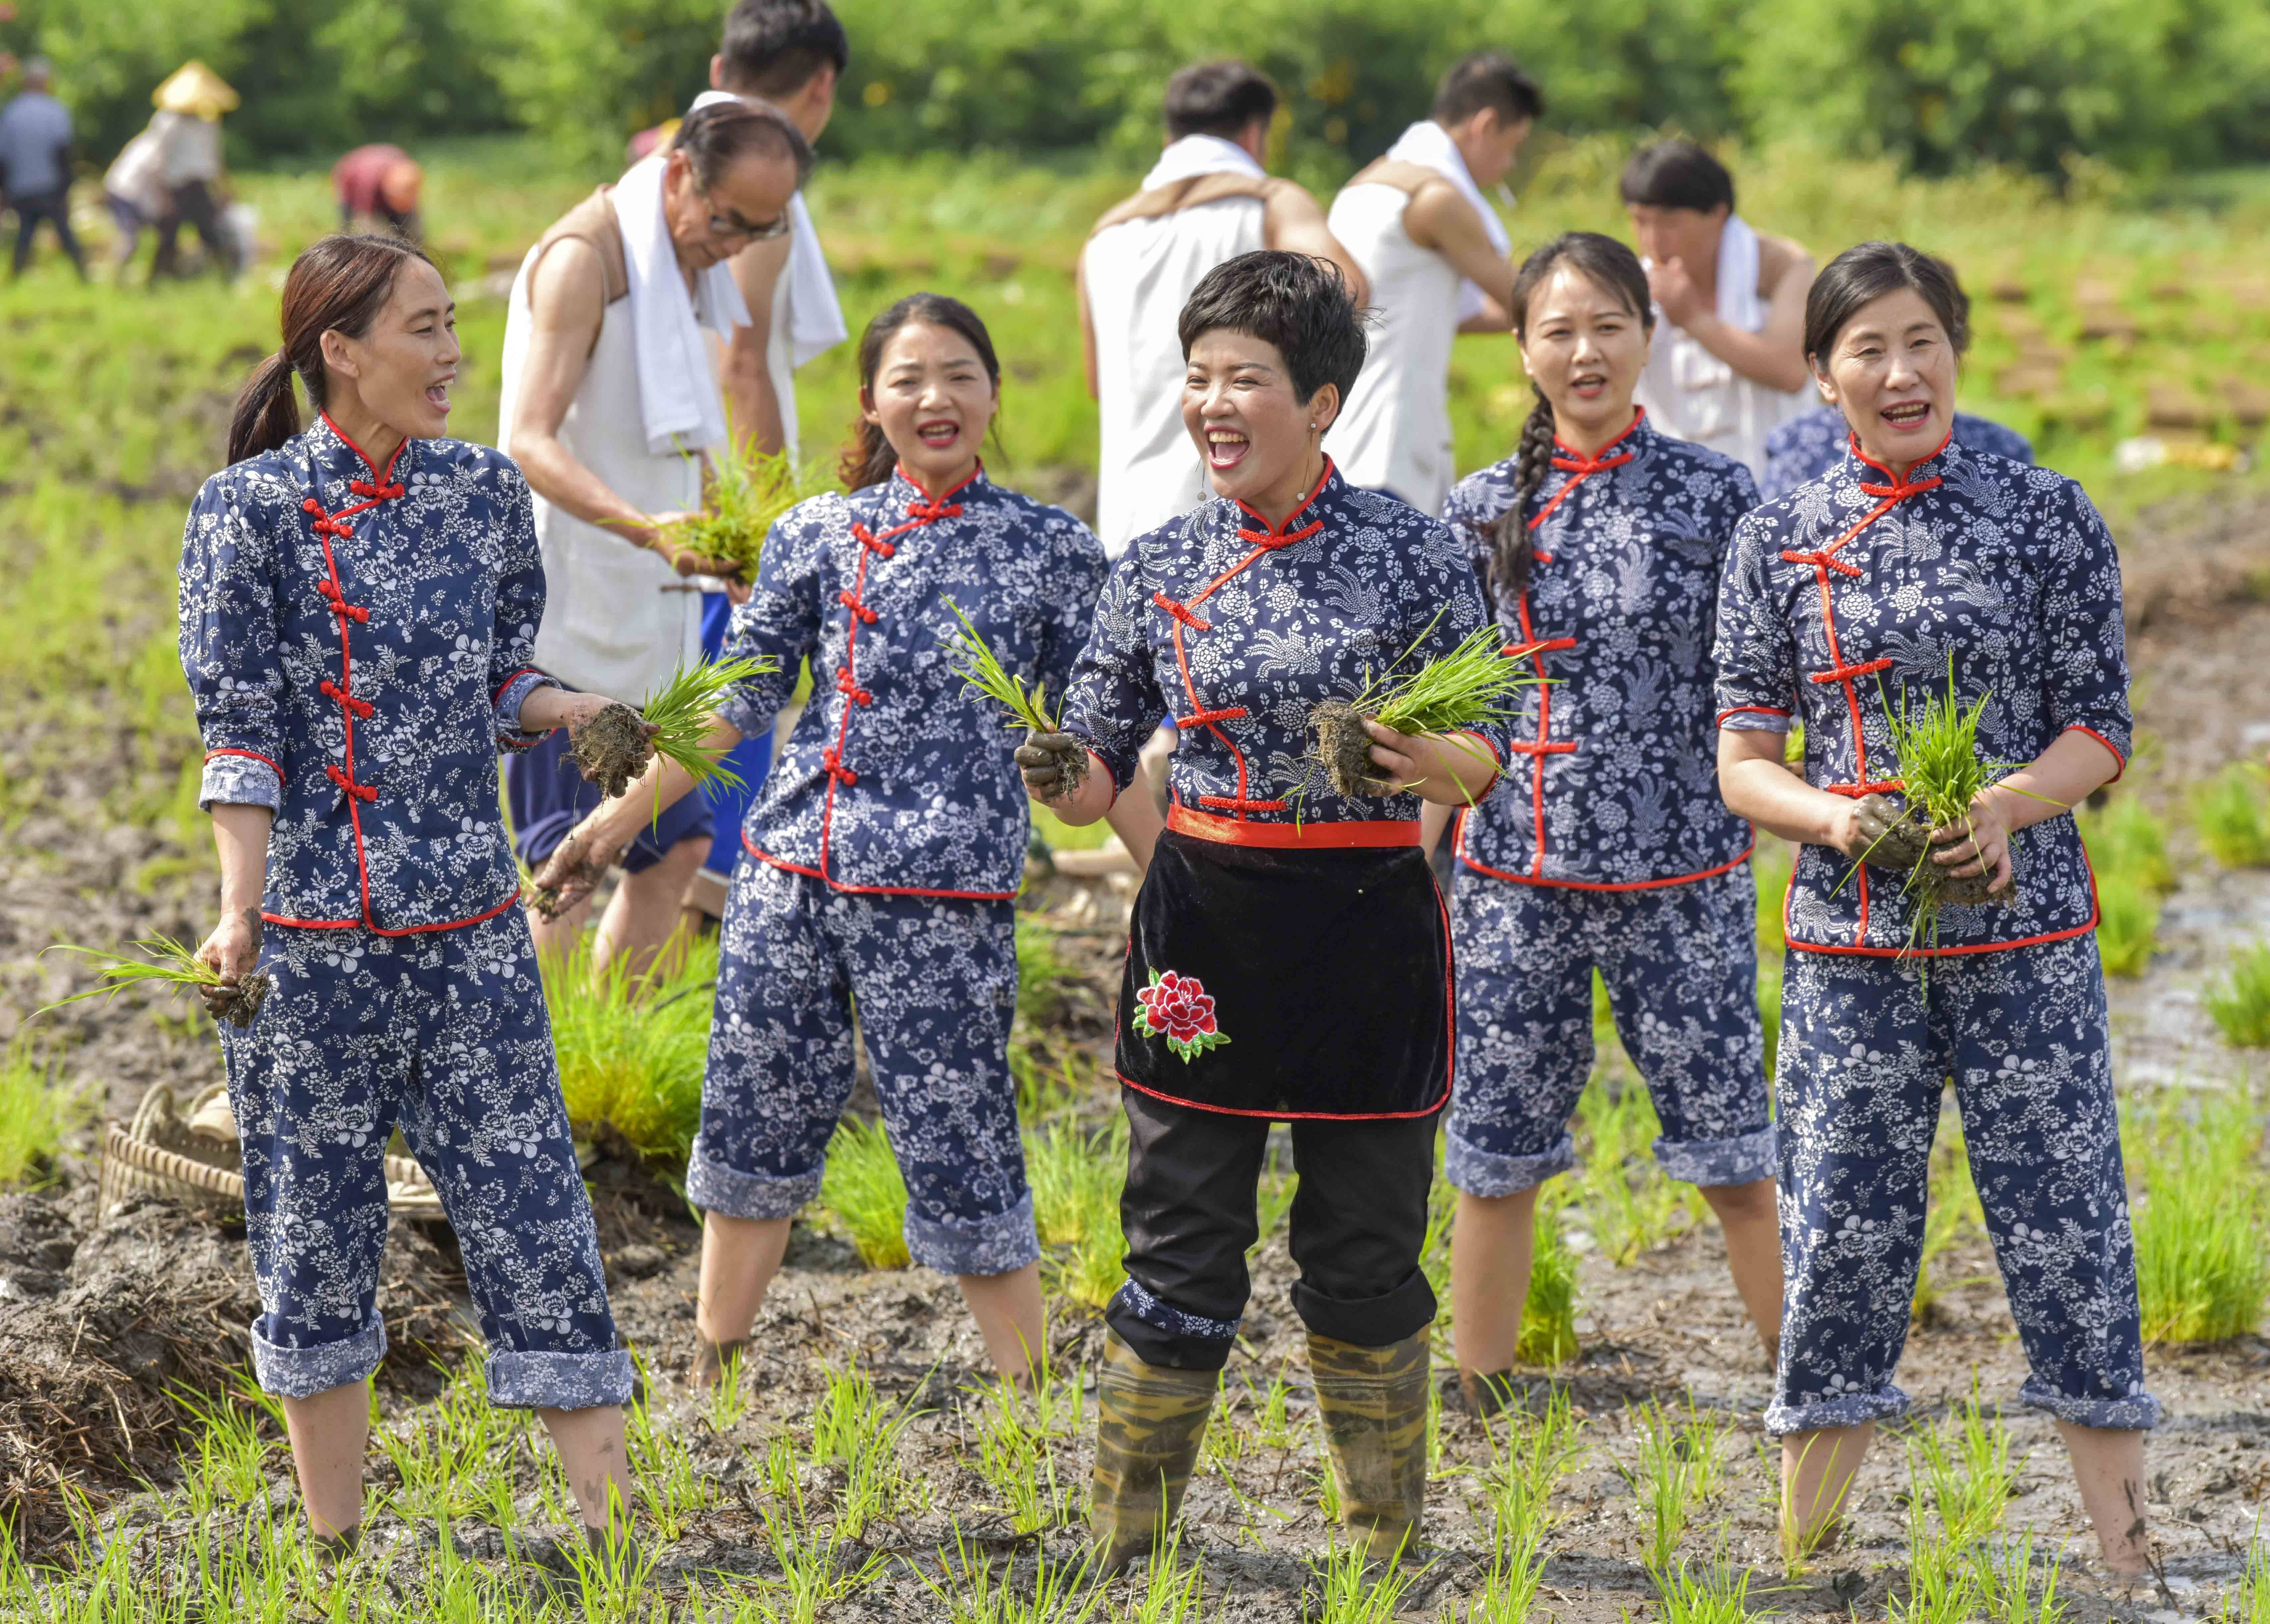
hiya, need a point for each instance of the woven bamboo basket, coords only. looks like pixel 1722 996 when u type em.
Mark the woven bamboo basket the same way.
pixel 158 1154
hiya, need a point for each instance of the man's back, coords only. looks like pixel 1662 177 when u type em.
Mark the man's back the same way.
pixel 35 129
pixel 1137 273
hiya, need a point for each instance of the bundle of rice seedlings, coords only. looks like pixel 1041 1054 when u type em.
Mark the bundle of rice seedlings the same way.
pixel 632 1048
pixel 748 491
pixel 1472 683
pixel 613 748
pixel 982 674
pixel 170 964
pixel 861 1185
pixel 2202 1273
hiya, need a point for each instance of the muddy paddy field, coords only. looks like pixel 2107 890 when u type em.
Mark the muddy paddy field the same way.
pixel 864 1469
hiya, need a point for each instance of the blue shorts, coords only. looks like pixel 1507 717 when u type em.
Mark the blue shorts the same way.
pixel 751 758
pixel 545 797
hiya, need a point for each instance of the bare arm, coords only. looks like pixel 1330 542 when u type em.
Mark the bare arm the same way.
pixel 1294 222
pixel 240 839
pixel 758 420
pixel 1754 784
pixel 1440 219
pixel 1135 819
pixel 1775 354
pixel 576 867
pixel 1445 769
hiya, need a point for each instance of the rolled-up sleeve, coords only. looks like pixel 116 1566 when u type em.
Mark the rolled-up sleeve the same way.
pixel 1755 648
pixel 229 647
pixel 1114 702
pixel 513 675
pixel 2086 678
pixel 780 620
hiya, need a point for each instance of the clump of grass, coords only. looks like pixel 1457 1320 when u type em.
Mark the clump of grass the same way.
pixel 35 1112
pixel 1677 1466
pixel 1075 1179
pixel 1952 1207
pixel 1630 1204
pixel 2128 849
pixel 855 1429
pixel 1548 1314
pixel 165 963
pixel 984 675
pixel 1044 981
pixel 633 1047
pixel 1472 683
pixel 862 1187
pixel 749 490
pixel 2232 813
pixel 2240 1002
pixel 1717 1594
pixel 2202 1273
pixel 1963 1468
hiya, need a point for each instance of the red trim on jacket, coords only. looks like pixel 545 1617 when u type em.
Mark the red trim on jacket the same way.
pixel 2120 762
pixel 1458 850
pixel 1762 711
pixel 231 750
pixel 1270 537
pixel 1293 836
pixel 833 884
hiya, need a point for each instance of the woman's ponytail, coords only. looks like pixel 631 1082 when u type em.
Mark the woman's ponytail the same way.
pixel 267 412
pixel 869 459
pixel 1512 549
pixel 338 284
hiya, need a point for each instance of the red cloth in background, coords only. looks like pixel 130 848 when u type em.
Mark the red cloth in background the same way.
pixel 377 178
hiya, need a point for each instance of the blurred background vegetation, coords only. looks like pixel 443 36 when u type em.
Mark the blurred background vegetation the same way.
pixel 2151 86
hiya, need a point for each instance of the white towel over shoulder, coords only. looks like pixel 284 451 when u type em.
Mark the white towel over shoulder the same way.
pixel 1192 156
pixel 1428 145
pixel 679 406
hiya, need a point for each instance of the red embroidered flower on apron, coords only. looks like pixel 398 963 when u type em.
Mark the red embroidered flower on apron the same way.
pixel 1179 1008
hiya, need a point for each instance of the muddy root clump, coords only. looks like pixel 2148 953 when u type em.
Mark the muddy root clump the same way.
pixel 1905 846
pixel 611 749
pixel 1344 749
pixel 252 993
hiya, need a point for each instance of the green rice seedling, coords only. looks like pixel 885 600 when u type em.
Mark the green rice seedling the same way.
pixel 2247 1602
pixel 670 1486
pixel 1548 1314
pixel 748 490
pixel 1355 1590
pixel 226 1463
pixel 1526 1462
pixel 2231 811
pixel 727 1403
pixel 632 1048
pixel 973 1591
pixel 2240 1002
pixel 444 1453
pixel 684 708
pixel 1963 1470
pixel 1511 1582
pixel 2127 923
pixel 1174 1591
pixel 982 674
pixel 1272 1428
pixel 1717 1594
pixel 1044 981
pixel 1014 1459
pixel 2202 1274
pixel 36 1111
pixel 855 1428
pixel 1272 1200
pixel 1630 1205
pixel 862 1186
pixel 1953 1210
pixel 1472 683
pixel 165 963
pixel 1942 1587
pixel 2123 838
pixel 1074 1176
pixel 1666 1478
pixel 2006 1591
pixel 1094 1265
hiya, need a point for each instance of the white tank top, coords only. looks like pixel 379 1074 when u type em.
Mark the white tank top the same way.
pixel 1394 432
pixel 617 619
pixel 1138 273
pixel 1690 393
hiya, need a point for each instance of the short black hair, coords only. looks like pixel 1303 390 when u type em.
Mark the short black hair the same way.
pixel 1297 302
pixel 772 48
pixel 1866 272
pixel 1677 175
pixel 1486 79
pixel 1218 98
pixel 713 135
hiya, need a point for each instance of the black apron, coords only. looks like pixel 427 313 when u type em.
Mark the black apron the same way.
pixel 1288 983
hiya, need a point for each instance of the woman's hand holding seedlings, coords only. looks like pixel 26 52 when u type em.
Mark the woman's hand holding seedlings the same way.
pixel 1450 769
pixel 232 950
pixel 547 709
pixel 1050 763
pixel 1982 846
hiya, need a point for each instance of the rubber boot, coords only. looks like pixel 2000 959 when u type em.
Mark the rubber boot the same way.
pixel 1373 1404
pixel 1149 1423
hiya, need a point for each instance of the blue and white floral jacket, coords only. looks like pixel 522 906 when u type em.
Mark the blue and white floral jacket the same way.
pixel 1237 629
pixel 358 644
pixel 1854 591
pixel 1617 785
pixel 1804 447
pixel 896 778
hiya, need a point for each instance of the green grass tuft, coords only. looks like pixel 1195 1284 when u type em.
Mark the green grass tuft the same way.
pixel 1548 1314
pixel 167 963
pixel 682 708
pixel 862 1187
pixel 1473 683
pixel 36 1111
pixel 2232 813
pixel 2202 1274
pixel 2128 850
pixel 632 1049
pixel 2240 1002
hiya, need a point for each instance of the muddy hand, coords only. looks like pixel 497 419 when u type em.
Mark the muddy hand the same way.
pixel 232 950
pixel 1050 763
pixel 573 870
pixel 1979 847
pixel 1881 834
pixel 1395 758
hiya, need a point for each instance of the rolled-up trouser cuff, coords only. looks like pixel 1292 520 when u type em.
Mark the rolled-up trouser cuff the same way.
pixel 714 1187
pixel 559 1381
pixel 1845 1409
pixel 1480 1172
pixel 1162 1334
pixel 1743 1159
pixel 975 1245
pixel 2139 1412
pixel 1375 1322
pixel 303 1372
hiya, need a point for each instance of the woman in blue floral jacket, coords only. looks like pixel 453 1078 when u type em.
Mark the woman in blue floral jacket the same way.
pixel 882 857
pixel 358 605
pixel 1913 563
pixel 1601 542
pixel 1289 956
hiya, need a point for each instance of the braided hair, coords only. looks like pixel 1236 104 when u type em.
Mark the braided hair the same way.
pixel 1613 268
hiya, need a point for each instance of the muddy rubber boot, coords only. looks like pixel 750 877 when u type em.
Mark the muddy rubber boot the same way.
pixel 1373 1404
pixel 1149 1422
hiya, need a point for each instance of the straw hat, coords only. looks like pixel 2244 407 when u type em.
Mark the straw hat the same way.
pixel 195 88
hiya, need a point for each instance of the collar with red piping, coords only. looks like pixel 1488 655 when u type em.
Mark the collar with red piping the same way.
pixel 381 484
pixel 1897 488
pixel 1272 536
pixel 904 491
pixel 1580 468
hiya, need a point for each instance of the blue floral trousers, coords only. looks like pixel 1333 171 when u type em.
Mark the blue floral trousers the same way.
pixel 1680 967
pixel 933 980
pixel 1867 1044
pixel 444 1034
